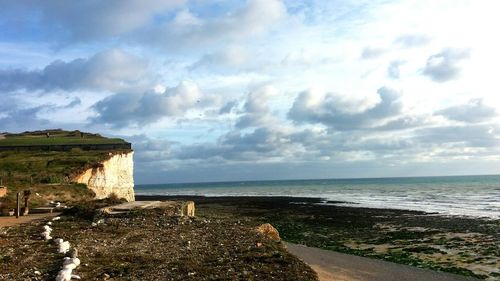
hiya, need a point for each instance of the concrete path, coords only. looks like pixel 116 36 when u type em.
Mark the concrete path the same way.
pixel 342 267
pixel 9 221
pixel 136 205
pixel 182 208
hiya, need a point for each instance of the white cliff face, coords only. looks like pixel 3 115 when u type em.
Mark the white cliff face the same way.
pixel 116 175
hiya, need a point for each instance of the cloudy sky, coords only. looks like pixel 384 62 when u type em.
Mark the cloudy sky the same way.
pixel 262 89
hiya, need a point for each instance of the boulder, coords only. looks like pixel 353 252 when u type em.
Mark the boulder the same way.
pixel 188 209
pixel 269 231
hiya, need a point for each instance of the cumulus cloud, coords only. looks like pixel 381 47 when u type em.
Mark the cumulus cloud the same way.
pixel 88 20
pixel 338 112
pixel 228 107
pixel 256 109
pixel 263 144
pixel 412 40
pixel 486 136
pixel 393 69
pixel 472 112
pixel 444 66
pixel 372 53
pixel 257 134
pixel 107 70
pixel 229 57
pixel 130 109
pixel 187 30
pixel 15 118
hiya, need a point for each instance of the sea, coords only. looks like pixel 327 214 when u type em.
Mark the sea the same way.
pixel 471 196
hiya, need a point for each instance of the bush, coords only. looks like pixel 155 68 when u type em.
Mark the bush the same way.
pixel 51 179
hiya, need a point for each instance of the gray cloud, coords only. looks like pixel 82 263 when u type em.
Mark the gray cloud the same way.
pixel 331 112
pixel 261 144
pixel 87 20
pixel 15 118
pixel 228 107
pixel 393 69
pixel 443 66
pixel 372 53
pixel 75 102
pixel 473 111
pixel 130 109
pixel 485 136
pixel 108 70
pixel 186 30
pixel 227 58
pixel 256 110
pixel 412 40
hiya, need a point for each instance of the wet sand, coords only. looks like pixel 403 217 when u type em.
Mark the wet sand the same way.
pixel 333 266
pixel 466 246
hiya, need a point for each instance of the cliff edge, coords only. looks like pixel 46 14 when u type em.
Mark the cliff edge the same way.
pixel 115 175
pixel 58 165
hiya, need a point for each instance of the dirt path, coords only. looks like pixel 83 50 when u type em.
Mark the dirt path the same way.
pixel 333 266
pixel 9 221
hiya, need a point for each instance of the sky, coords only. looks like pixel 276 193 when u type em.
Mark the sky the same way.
pixel 262 89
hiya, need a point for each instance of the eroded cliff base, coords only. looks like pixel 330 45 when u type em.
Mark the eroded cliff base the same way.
pixel 114 175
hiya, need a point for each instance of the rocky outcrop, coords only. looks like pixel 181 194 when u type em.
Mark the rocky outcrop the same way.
pixel 169 208
pixel 115 175
pixel 269 231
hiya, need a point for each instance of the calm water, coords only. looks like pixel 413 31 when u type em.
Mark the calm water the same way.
pixel 477 196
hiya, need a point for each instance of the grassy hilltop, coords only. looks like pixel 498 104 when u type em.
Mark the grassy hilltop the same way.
pixel 49 173
pixel 55 137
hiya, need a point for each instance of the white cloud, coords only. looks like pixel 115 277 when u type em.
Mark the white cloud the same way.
pixel 474 111
pixel 132 109
pixel 188 31
pixel 107 70
pixel 444 66
pixel 249 61
pixel 346 114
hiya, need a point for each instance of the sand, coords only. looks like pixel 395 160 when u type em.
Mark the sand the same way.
pixel 333 266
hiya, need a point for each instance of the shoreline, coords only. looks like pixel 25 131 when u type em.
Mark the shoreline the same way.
pixel 301 199
pixel 468 246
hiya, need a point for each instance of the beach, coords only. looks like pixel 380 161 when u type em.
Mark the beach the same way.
pixel 462 245
pixel 154 244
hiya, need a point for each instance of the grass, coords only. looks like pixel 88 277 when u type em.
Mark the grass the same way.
pixel 49 173
pixel 25 167
pixel 17 141
pixel 41 195
pixel 57 137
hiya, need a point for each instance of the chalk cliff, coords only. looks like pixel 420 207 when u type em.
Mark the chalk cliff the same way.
pixel 115 175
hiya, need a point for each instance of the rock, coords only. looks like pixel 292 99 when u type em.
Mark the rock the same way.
pixel 188 209
pixel 114 175
pixel 269 231
pixel 3 191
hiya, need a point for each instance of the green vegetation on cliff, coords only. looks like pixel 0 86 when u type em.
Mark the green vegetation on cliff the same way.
pixel 50 173
pixel 56 137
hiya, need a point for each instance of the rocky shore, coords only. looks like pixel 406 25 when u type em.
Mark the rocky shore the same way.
pixel 461 245
pixel 150 244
